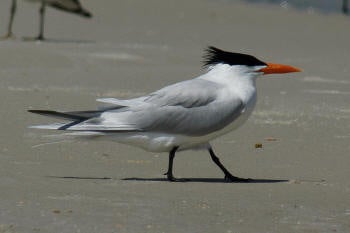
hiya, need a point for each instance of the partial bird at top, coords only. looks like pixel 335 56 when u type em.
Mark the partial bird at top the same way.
pixel 72 6
pixel 182 116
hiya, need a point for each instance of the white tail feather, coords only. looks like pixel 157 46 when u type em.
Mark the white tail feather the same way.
pixel 50 126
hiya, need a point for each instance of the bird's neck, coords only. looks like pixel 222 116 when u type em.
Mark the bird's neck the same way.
pixel 235 78
pixel 230 75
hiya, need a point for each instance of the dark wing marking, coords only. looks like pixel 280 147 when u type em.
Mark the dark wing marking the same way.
pixel 72 6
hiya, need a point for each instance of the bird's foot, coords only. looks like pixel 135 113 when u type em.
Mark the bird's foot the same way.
pixel 9 36
pixel 234 179
pixel 38 38
pixel 171 178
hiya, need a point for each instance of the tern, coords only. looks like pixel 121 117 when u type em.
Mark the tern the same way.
pixel 185 115
pixel 72 6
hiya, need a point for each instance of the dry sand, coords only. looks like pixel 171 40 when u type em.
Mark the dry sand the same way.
pixel 133 47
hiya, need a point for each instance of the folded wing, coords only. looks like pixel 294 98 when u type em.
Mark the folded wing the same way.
pixel 189 108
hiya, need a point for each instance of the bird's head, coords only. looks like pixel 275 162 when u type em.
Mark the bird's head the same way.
pixel 246 63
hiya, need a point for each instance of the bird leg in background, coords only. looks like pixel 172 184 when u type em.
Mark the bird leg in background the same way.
pixel 9 29
pixel 169 173
pixel 345 7
pixel 40 37
pixel 42 16
pixel 228 175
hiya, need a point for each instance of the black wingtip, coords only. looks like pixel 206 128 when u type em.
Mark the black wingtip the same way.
pixel 38 111
pixel 60 115
pixel 86 14
pixel 214 56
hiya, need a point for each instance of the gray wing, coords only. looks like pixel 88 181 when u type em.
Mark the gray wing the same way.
pixel 187 94
pixel 197 121
pixel 188 108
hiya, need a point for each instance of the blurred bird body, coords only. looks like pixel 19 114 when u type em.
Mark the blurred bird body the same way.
pixel 72 6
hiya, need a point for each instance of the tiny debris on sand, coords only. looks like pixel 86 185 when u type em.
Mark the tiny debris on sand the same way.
pixel 271 139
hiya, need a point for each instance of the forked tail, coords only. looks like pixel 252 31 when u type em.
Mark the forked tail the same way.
pixel 74 118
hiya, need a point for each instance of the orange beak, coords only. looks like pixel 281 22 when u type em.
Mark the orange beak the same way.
pixel 278 69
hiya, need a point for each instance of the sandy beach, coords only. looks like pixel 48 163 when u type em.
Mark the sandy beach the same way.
pixel 130 48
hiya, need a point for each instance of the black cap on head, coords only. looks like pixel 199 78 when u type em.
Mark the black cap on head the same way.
pixel 215 56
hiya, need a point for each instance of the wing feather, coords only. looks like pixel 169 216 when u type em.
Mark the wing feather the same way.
pixel 189 108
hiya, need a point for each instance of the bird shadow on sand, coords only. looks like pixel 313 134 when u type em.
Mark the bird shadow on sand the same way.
pixel 80 177
pixel 181 180
pixel 58 41
pixel 207 180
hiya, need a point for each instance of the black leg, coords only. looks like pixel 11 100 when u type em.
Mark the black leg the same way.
pixel 345 7
pixel 9 28
pixel 42 16
pixel 169 173
pixel 228 175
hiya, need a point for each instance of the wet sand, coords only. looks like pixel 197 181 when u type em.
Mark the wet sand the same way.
pixel 131 48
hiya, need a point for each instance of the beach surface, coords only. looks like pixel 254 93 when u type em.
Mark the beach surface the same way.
pixel 130 48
